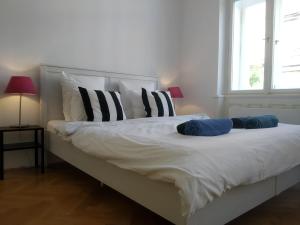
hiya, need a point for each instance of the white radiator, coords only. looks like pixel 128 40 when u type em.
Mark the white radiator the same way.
pixel 285 115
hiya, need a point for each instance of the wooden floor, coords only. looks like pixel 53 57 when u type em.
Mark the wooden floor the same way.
pixel 65 196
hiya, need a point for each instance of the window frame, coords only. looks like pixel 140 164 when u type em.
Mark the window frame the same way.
pixel 271 16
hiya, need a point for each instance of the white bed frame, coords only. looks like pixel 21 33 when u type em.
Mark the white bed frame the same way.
pixel 161 198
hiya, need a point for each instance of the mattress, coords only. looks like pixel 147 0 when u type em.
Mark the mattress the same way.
pixel 202 168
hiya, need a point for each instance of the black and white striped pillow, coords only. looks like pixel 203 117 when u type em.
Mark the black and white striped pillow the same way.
pixel 158 103
pixel 102 105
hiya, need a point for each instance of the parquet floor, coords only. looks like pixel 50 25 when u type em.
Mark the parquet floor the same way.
pixel 65 196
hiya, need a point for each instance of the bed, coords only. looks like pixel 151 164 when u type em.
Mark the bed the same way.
pixel 161 197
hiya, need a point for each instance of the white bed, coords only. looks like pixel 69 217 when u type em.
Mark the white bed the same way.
pixel 160 197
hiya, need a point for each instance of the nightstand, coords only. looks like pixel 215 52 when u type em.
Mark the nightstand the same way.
pixel 37 144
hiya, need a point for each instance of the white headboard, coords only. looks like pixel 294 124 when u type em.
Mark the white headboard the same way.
pixel 50 89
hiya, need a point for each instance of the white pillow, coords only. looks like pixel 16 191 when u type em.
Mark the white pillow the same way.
pixel 131 96
pixel 67 92
pixel 73 108
pixel 136 104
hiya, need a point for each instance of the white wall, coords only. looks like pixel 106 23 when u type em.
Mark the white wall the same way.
pixel 130 36
pixel 201 50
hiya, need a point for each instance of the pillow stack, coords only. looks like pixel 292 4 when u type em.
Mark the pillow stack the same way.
pixel 131 97
pixel 84 99
pixel 73 108
pixel 158 103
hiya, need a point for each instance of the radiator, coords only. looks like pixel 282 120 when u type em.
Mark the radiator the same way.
pixel 285 115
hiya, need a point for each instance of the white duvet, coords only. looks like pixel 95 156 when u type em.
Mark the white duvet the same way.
pixel 202 168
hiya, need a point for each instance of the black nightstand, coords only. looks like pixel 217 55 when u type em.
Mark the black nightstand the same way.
pixel 37 144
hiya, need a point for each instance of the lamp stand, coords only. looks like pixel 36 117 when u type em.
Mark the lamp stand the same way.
pixel 20 110
pixel 20 115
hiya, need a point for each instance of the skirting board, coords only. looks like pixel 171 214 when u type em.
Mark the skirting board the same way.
pixel 163 198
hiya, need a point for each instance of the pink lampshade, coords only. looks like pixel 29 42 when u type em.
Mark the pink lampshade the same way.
pixel 175 92
pixel 21 85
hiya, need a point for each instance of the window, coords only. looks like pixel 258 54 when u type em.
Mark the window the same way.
pixel 287 46
pixel 265 45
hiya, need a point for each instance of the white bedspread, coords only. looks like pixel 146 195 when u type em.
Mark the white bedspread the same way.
pixel 201 167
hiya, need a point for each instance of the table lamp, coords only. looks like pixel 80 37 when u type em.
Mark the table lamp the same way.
pixel 21 85
pixel 175 92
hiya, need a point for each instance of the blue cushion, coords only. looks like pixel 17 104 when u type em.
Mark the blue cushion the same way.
pixel 258 122
pixel 210 127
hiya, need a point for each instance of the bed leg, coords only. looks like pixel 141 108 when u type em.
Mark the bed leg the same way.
pixel 101 184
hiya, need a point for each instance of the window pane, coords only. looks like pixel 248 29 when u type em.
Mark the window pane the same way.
pixel 287 45
pixel 249 30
